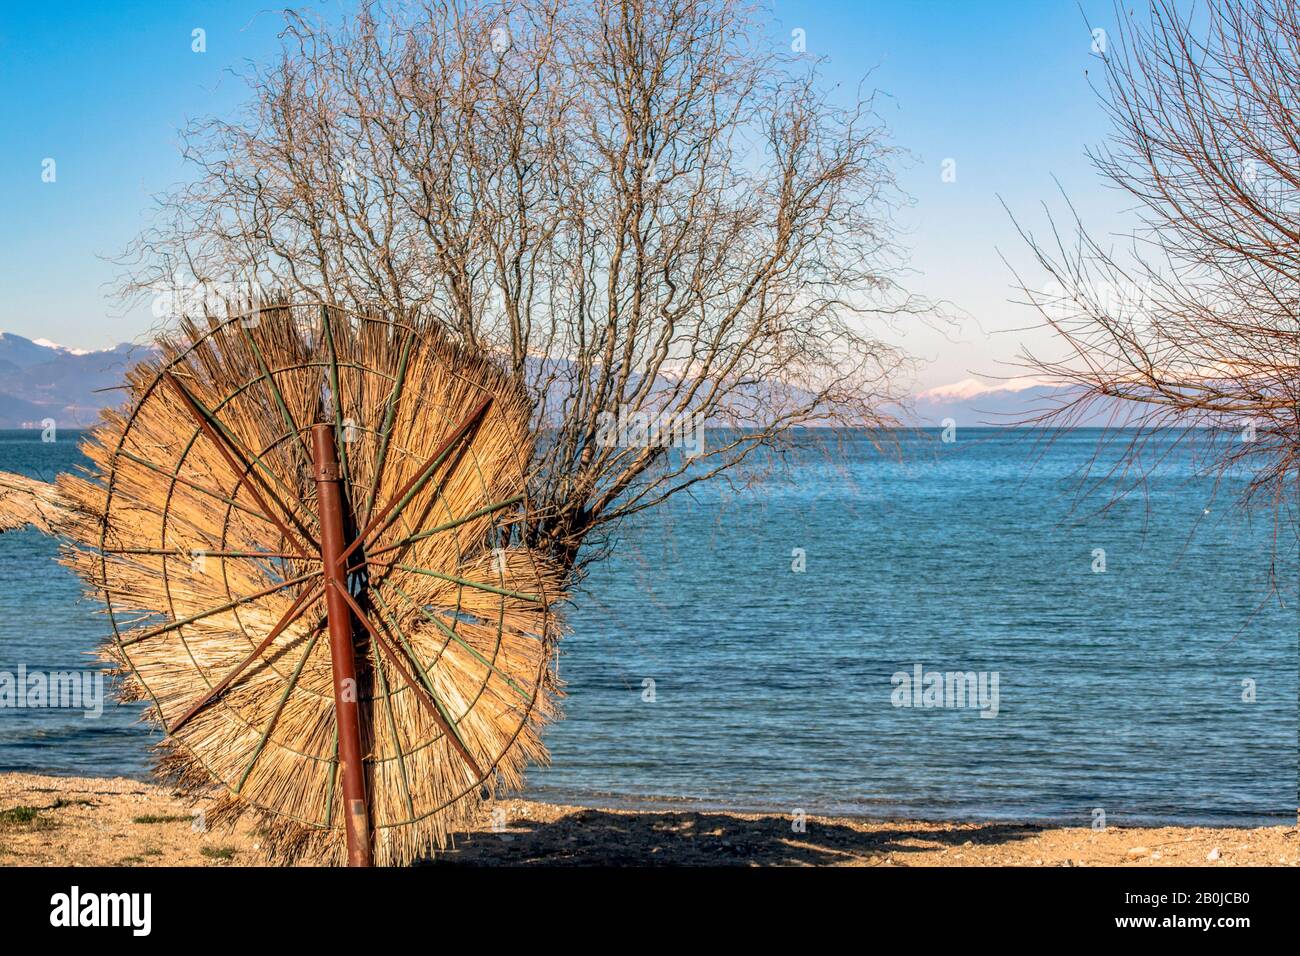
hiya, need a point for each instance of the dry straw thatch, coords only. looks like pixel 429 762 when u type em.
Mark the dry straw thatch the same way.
pixel 26 501
pixel 195 574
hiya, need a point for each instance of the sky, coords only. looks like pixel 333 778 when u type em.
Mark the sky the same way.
pixel 1000 88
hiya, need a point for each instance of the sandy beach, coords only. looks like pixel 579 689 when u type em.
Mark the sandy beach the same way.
pixel 77 821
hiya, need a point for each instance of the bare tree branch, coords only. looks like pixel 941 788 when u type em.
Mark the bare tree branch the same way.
pixel 640 209
pixel 1197 325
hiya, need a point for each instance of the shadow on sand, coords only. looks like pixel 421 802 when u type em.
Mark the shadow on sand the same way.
pixel 602 838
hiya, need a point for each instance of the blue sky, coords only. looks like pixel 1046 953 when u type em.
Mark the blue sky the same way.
pixel 998 87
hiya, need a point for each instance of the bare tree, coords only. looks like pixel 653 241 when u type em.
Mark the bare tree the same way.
pixel 1196 325
pixel 647 213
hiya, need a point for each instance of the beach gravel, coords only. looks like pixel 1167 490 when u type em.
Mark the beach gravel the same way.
pixel 78 821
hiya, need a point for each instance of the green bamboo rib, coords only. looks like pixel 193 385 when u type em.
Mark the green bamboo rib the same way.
pixel 376 525
pixel 275 389
pixel 198 487
pixel 452 635
pixel 238 446
pixel 389 417
pixel 294 612
pixel 177 553
pixel 429 471
pixel 126 642
pixel 466 582
pixel 385 647
pixel 420 669
pixel 210 417
pixel 290 684
pixel 397 741
pixel 447 526
pixel 334 774
pixel 488 509
pixel 428 684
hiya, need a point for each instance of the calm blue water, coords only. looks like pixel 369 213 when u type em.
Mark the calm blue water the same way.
pixel 772 688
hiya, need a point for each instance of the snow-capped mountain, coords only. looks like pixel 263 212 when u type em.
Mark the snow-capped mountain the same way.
pixel 40 379
pixel 1014 401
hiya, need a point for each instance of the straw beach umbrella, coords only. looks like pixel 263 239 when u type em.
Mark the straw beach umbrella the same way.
pixel 304 526
pixel 26 501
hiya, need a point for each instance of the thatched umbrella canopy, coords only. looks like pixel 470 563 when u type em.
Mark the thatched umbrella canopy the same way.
pixel 26 501
pixel 197 525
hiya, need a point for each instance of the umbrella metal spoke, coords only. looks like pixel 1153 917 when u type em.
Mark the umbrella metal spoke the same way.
pixel 294 612
pixel 391 620
pixel 465 582
pixel 394 508
pixel 229 605
pixel 198 487
pixel 422 693
pixel 226 446
pixel 279 708
pixel 452 635
pixel 235 445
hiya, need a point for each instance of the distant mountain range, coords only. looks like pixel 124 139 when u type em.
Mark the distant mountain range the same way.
pixel 1016 401
pixel 41 380
pixel 971 402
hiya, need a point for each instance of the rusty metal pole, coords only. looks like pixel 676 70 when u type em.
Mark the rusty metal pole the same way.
pixel 329 502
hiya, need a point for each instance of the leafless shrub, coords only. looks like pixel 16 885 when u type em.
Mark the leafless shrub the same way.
pixel 634 205
pixel 1195 325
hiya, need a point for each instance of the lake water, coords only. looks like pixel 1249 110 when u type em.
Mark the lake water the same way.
pixel 706 668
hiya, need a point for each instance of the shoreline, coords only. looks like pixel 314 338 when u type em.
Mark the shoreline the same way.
pixel 651 803
pixel 120 821
pixel 604 800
